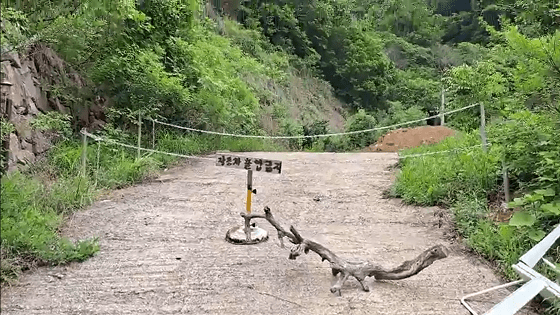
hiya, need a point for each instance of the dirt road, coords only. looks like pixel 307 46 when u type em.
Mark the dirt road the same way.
pixel 163 249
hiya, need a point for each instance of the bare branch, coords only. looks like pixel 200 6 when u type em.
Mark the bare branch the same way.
pixel 343 268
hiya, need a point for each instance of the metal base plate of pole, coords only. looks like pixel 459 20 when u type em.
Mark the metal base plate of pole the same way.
pixel 237 235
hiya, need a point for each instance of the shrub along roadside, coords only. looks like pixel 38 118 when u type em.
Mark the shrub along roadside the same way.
pixel 529 144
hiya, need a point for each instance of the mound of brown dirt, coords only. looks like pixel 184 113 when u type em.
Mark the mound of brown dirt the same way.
pixel 409 138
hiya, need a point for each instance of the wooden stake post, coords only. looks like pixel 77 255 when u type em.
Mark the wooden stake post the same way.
pixel 442 110
pixel 506 180
pixel 84 152
pixel 483 128
pixel 252 235
pixel 139 135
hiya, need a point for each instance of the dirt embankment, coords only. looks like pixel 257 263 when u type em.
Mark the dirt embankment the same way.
pixel 400 139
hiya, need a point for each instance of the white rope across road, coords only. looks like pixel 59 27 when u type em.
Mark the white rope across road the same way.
pixel 315 136
pixel 110 141
pixel 102 139
pixel 439 152
pixel 97 138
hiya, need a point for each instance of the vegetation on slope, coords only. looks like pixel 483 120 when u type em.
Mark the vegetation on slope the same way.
pixel 518 83
pixel 304 68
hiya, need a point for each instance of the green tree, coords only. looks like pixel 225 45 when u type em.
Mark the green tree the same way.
pixel 360 70
pixel 361 121
pixel 411 19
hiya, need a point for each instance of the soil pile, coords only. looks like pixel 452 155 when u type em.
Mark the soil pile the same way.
pixel 409 138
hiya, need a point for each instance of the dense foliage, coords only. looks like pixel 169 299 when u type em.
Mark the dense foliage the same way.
pixel 348 44
pixel 276 70
pixel 517 80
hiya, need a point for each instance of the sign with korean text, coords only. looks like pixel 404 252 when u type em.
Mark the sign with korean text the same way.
pixel 247 163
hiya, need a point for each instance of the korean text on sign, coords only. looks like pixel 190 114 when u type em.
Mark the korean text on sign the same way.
pixel 254 164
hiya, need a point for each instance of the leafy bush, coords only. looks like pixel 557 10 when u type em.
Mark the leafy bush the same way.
pixel 531 148
pixel 528 144
pixel 6 128
pixel 169 17
pixel 519 74
pixel 54 122
pixel 315 128
pixel 14 28
pixel 416 87
pixel 140 83
pixel 292 128
pixel 224 99
pixel 542 211
pixel 498 243
pixel 398 113
pixel 364 75
pixel 254 44
pixel 506 242
pixel 361 121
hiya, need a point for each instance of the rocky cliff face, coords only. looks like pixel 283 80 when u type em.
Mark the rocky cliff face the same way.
pixel 26 88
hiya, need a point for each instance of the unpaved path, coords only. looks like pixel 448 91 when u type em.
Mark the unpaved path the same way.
pixel 163 249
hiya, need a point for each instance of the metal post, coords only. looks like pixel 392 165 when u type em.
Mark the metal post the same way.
pixel 442 106
pixel 249 189
pixel 139 134
pixel 506 180
pixel 153 134
pixel 97 166
pixel 84 152
pixel 483 127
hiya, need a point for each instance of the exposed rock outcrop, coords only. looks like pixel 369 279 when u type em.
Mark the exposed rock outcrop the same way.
pixel 26 89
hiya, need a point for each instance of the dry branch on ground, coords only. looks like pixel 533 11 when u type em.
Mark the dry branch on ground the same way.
pixel 343 268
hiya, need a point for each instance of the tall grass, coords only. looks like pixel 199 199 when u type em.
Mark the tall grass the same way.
pixel 496 242
pixel 31 215
pixel 443 178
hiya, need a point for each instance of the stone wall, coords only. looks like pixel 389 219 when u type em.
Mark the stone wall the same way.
pixel 25 90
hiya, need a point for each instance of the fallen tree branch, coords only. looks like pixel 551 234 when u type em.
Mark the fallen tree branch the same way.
pixel 343 268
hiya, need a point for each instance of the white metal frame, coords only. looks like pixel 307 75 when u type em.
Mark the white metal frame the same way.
pixel 535 283
pixel 468 296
